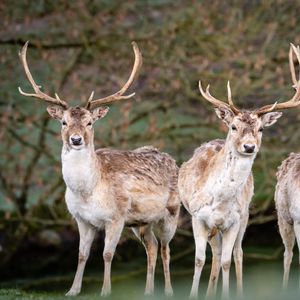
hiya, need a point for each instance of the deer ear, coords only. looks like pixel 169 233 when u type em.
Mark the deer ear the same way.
pixel 99 113
pixel 270 118
pixel 225 114
pixel 55 111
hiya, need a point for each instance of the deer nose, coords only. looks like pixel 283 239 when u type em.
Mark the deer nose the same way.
pixel 76 140
pixel 249 148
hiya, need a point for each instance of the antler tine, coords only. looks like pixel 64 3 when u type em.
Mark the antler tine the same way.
pixel 229 93
pixel 295 100
pixel 91 104
pixel 291 64
pixel 232 106
pixel 215 101
pixel 91 97
pixel 38 93
pixel 295 50
pixel 209 97
pixel 57 97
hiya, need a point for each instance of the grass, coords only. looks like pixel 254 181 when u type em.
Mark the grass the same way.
pixel 262 279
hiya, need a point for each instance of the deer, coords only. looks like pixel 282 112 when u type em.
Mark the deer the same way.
pixel 286 193
pixel 216 186
pixel 110 189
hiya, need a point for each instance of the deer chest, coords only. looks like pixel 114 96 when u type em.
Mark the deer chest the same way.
pixel 93 209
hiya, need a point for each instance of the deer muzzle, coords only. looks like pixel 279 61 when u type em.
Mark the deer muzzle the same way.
pixel 76 140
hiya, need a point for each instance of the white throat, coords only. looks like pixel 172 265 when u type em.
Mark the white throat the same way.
pixel 229 179
pixel 238 166
pixel 79 169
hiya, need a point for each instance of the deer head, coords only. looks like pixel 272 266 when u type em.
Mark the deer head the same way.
pixel 77 123
pixel 246 127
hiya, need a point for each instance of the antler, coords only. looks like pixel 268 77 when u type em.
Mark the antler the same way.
pixel 219 103
pixel 38 93
pixel 91 104
pixel 295 100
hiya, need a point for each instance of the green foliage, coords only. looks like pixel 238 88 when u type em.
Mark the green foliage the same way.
pixel 80 46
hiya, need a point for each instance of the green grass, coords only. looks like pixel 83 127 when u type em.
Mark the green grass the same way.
pixel 262 280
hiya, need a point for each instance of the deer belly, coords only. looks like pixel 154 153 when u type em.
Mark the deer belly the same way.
pixel 147 211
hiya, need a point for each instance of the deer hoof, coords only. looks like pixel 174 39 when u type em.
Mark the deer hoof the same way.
pixel 73 292
pixel 148 293
pixel 105 293
pixel 169 292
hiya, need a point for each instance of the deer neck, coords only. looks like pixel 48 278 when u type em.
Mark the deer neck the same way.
pixel 231 173
pixel 237 166
pixel 80 169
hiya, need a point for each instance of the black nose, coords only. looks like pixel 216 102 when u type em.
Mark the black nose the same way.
pixel 249 148
pixel 76 140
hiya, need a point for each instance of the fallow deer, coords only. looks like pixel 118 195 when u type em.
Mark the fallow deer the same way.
pixel 111 189
pixel 216 187
pixel 287 194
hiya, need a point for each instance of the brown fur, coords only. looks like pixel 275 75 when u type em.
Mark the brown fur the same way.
pixel 212 233
pixel 287 206
pixel 107 256
pixel 287 172
pixel 145 165
pixel 291 162
pixel 248 118
pixel 81 258
pixel 77 113
pixel 136 188
pixel 76 123
pixel 216 187
pixel 204 158
pixel 173 209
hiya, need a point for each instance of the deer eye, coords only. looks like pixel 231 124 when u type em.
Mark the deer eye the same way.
pixel 64 123
pixel 89 124
pixel 233 127
pixel 260 129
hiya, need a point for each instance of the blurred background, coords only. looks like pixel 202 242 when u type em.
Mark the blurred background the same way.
pixel 79 46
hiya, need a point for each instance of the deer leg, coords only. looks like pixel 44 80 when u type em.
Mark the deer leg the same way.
pixel 238 256
pixel 168 227
pixel 297 233
pixel 216 248
pixel 165 256
pixel 288 238
pixel 150 243
pixel 228 241
pixel 113 232
pixel 200 235
pixel 86 235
